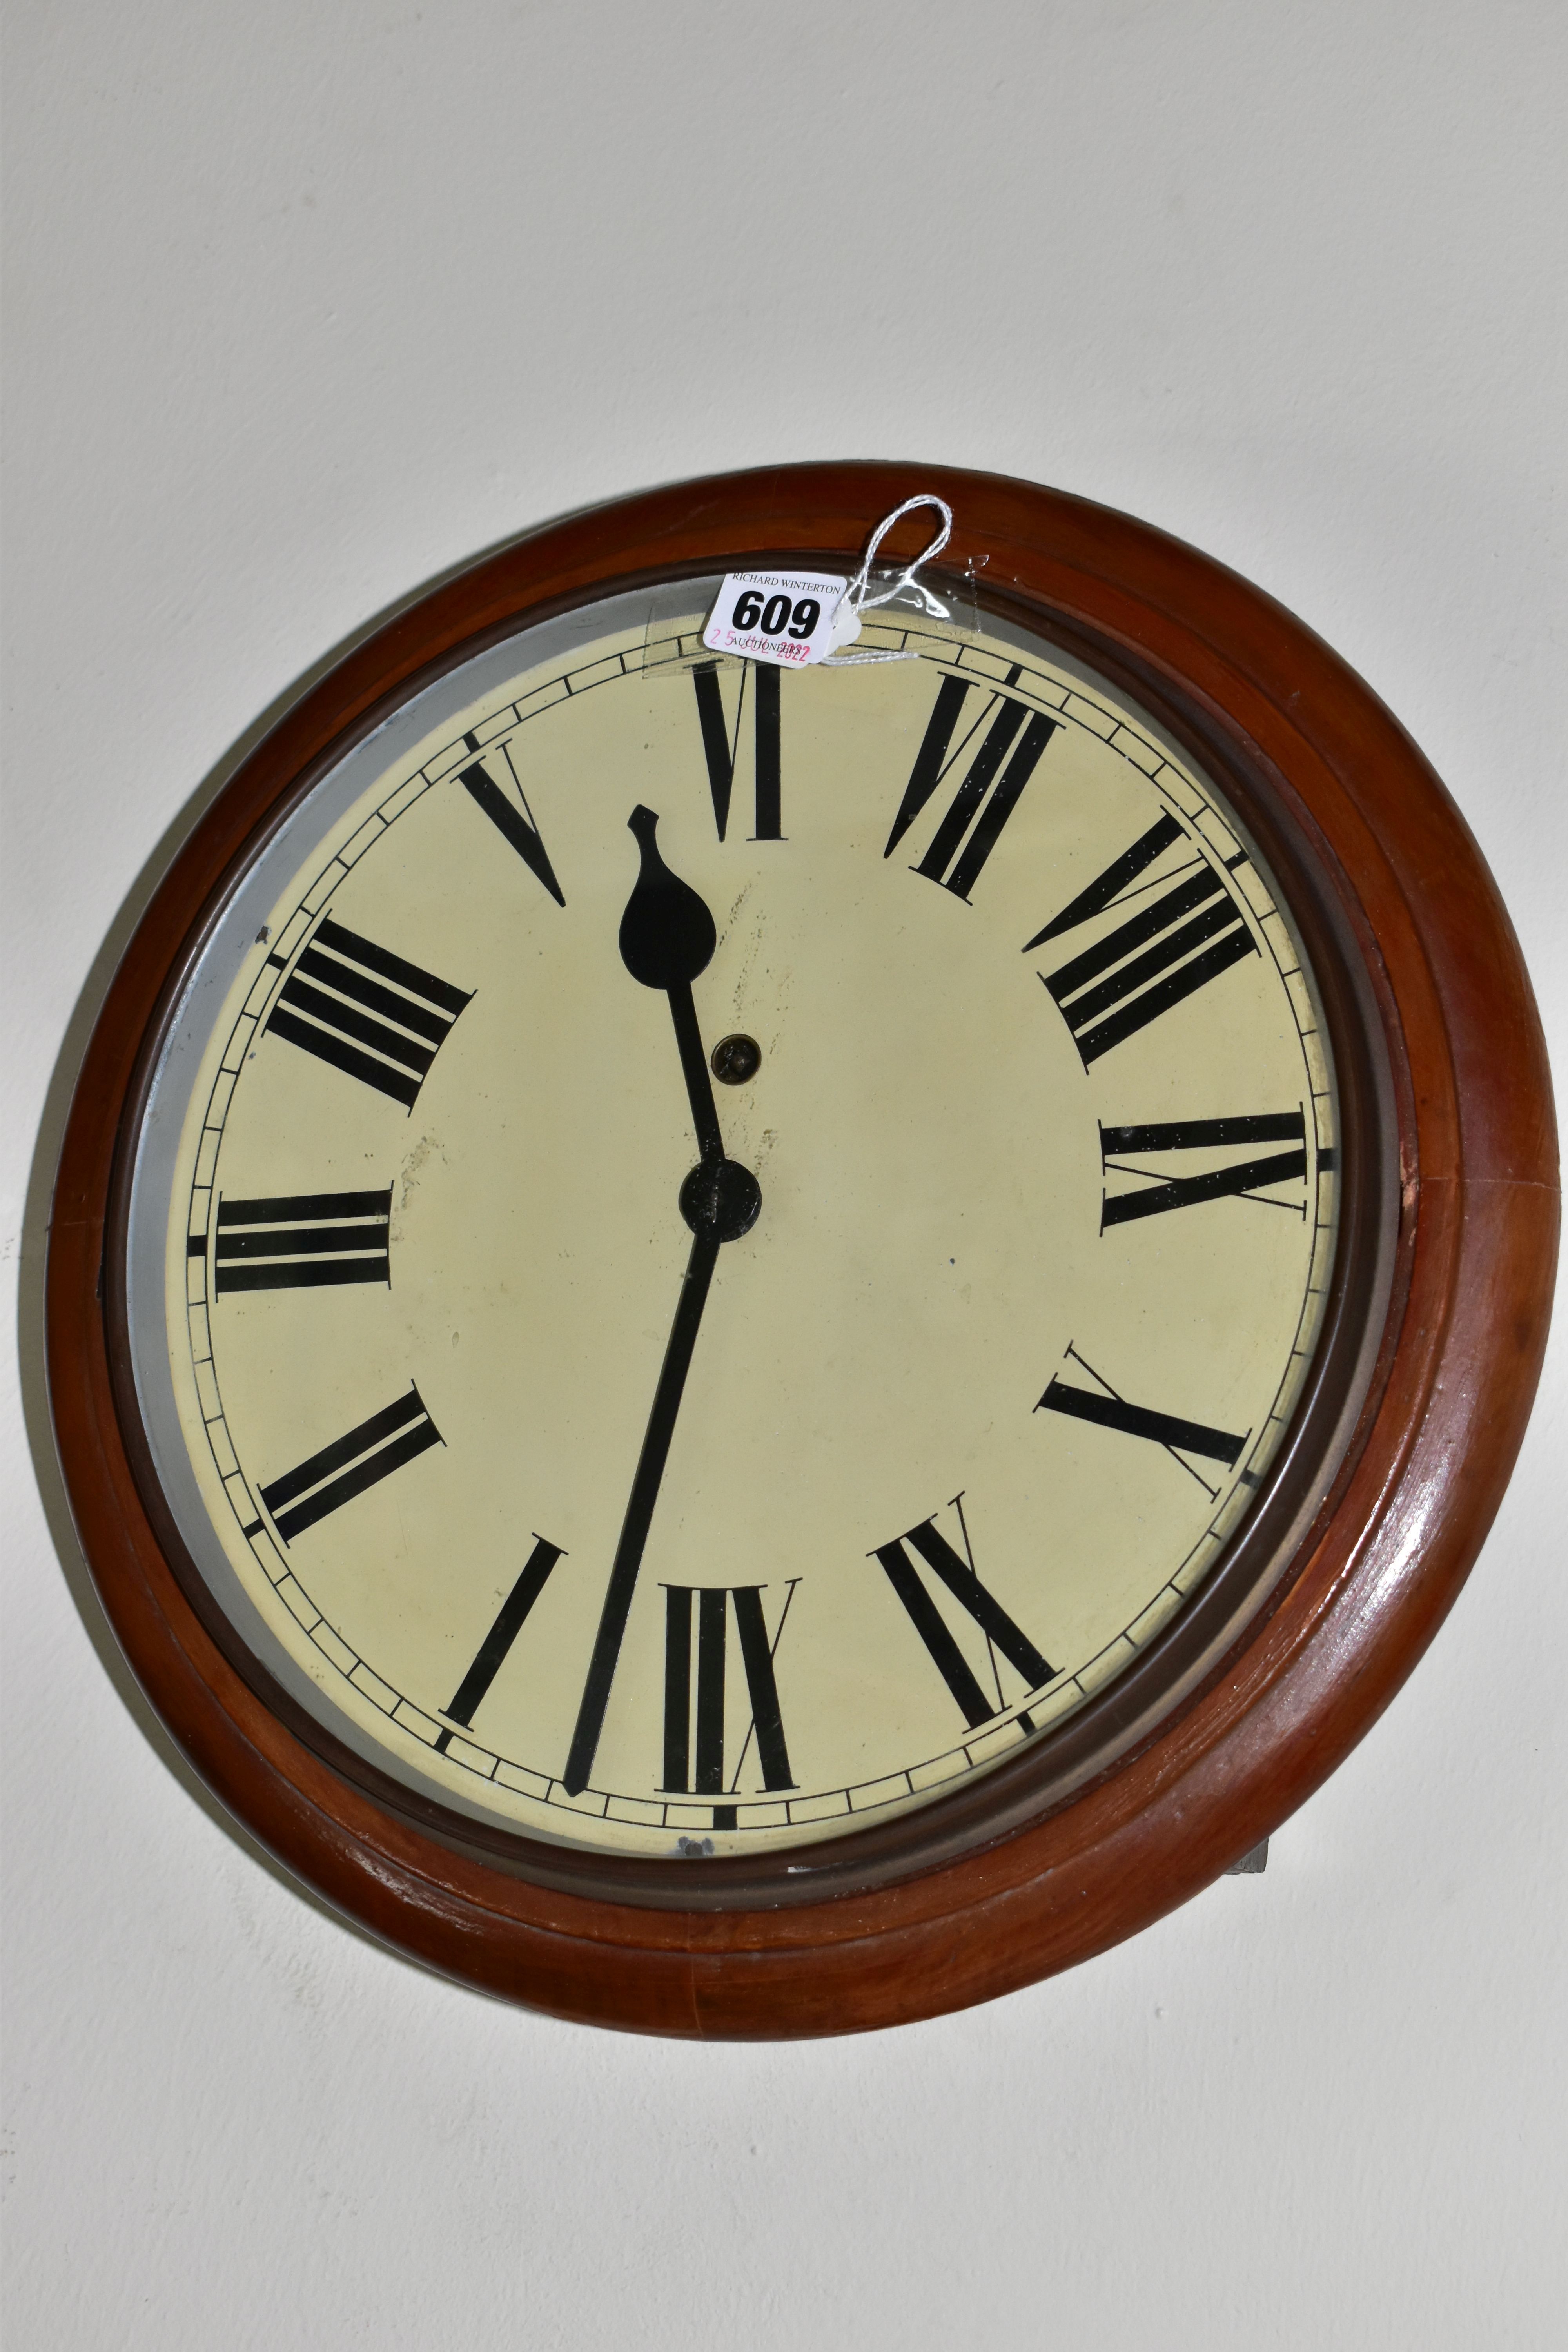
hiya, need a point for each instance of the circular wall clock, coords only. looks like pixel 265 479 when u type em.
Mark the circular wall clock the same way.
pixel 752 1352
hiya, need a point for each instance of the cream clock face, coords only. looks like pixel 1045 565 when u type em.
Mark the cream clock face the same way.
pixel 716 1251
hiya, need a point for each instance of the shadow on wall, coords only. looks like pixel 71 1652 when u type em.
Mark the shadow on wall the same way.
pixel 35 1228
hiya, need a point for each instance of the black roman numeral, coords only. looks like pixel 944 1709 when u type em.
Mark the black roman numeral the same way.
pixel 1137 1421
pixel 696 1766
pixel 1155 1190
pixel 498 1641
pixel 331 1025
pixel 951 860
pixel 300 1241
pixel 513 825
pixel 1107 1409
pixel 350 1465
pixel 719 748
pixel 1110 991
pixel 1001 1634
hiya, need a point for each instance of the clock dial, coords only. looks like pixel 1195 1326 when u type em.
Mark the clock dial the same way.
pixel 732 1247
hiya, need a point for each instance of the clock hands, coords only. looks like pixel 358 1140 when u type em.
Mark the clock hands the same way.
pixel 667 939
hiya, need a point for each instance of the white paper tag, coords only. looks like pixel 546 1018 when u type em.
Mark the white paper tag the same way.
pixel 786 617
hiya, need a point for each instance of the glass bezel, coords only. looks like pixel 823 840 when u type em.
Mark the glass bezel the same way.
pixel 1180 1662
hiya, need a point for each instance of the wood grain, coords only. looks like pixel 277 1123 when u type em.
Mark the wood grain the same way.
pixel 1011 1895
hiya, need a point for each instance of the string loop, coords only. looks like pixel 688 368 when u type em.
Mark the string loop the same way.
pixel 856 600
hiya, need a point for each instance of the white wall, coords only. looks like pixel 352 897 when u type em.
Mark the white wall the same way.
pixel 310 300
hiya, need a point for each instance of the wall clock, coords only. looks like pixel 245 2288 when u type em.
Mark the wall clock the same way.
pixel 755 1352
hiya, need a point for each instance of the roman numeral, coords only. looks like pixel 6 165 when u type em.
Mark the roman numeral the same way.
pixel 349 1466
pixel 1001 1634
pixel 695 1766
pixel 1107 1409
pixel 953 861
pixel 515 825
pixel 300 1241
pixel 719 748
pixel 498 1641
pixel 1137 1421
pixel 1155 1192
pixel 1110 992
pixel 320 1008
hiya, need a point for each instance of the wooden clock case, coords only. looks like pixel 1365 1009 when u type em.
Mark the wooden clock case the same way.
pixel 1399 1455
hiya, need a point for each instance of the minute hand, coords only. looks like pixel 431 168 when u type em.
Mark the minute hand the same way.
pixel 639 1512
pixel 667 939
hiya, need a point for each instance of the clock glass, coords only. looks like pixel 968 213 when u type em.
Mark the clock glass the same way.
pixel 714 1254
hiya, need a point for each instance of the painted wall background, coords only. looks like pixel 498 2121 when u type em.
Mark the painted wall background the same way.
pixel 308 303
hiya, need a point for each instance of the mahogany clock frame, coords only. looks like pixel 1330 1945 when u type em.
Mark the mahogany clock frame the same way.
pixel 1037 1865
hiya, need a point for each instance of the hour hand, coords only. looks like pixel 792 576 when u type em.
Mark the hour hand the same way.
pixel 667 938
pixel 668 935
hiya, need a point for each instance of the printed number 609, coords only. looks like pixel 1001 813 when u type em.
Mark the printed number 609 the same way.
pixel 777 614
